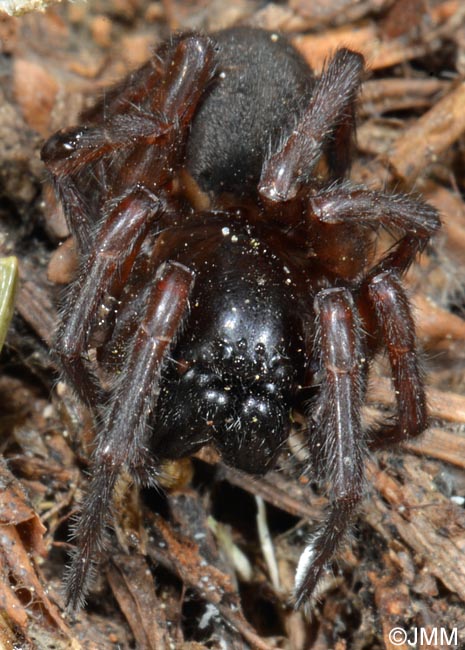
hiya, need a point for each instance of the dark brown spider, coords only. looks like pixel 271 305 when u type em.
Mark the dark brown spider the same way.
pixel 227 275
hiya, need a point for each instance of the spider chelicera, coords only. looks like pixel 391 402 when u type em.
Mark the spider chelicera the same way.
pixel 227 275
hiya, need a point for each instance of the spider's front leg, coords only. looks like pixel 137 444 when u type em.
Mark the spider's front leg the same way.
pixel 384 294
pixel 146 145
pixel 336 442
pixel 123 439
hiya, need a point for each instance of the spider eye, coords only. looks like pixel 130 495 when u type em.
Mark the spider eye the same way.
pixel 216 398
pixel 255 408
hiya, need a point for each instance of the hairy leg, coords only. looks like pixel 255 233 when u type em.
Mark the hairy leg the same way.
pixel 140 146
pixel 397 329
pixel 116 244
pixel 360 207
pixel 329 114
pixel 122 442
pixel 335 440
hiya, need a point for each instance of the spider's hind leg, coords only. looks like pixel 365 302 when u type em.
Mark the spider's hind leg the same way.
pixel 132 137
pixel 326 126
pixel 336 439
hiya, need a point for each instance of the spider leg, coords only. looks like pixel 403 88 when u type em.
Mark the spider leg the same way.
pixel 172 104
pixel 336 439
pixel 116 245
pixel 157 124
pixel 394 318
pixel 352 205
pixel 339 149
pixel 330 115
pixel 122 440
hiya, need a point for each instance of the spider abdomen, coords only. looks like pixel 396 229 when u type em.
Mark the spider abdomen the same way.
pixel 262 87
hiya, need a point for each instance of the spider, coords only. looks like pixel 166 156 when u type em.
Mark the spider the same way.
pixel 228 276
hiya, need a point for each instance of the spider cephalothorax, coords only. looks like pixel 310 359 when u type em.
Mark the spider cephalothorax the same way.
pixel 208 200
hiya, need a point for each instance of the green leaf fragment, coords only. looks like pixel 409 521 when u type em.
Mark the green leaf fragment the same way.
pixel 8 284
